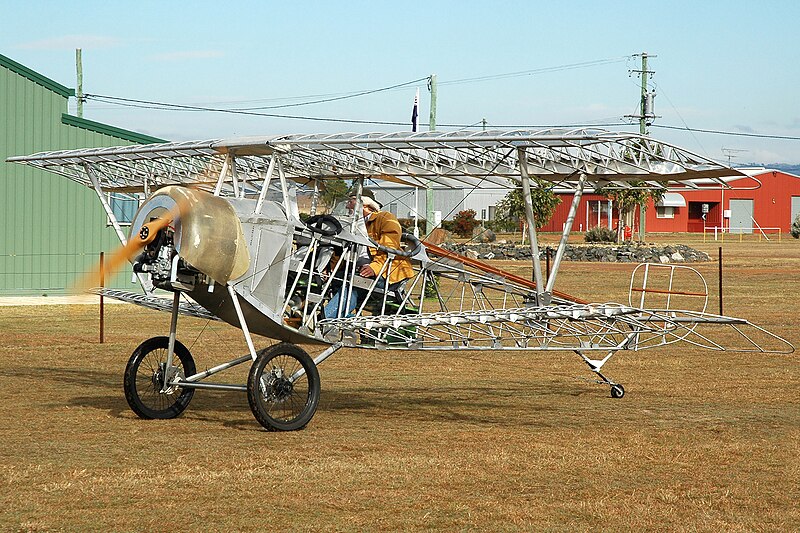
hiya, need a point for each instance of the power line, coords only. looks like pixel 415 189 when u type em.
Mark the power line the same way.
pixel 732 133
pixel 144 104
pixel 336 98
pixel 535 71
pixel 160 106
pixel 256 111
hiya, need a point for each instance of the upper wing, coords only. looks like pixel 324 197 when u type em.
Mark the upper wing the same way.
pixel 454 159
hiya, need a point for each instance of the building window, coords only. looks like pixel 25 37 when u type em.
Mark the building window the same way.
pixel 393 208
pixel 600 213
pixel 124 207
pixel 665 211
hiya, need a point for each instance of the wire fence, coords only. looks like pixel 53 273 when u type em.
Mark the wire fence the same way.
pixel 742 234
pixel 40 274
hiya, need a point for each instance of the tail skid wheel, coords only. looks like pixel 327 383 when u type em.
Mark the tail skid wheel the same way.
pixel 144 379
pixel 281 400
pixel 617 391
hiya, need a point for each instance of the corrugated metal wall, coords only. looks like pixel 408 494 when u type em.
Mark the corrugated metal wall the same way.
pixel 53 229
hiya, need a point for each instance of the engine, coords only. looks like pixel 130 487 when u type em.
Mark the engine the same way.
pixel 161 261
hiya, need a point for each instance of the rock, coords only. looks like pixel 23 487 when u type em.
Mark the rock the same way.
pixel 440 236
pixel 481 234
pixel 626 253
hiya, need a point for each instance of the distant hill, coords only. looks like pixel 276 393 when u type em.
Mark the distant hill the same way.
pixel 783 167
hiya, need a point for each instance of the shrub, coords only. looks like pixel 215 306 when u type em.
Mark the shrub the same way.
pixel 600 234
pixel 464 222
pixel 448 225
pixel 503 225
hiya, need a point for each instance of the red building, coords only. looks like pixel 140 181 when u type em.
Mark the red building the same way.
pixel 744 208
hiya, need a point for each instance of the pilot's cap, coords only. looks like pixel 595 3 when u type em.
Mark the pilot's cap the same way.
pixel 366 193
pixel 369 202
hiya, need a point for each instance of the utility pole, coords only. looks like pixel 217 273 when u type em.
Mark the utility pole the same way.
pixel 429 208
pixel 646 114
pixel 432 89
pixel 646 117
pixel 79 68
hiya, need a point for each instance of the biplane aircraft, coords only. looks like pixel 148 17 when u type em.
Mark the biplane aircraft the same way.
pixel 220 229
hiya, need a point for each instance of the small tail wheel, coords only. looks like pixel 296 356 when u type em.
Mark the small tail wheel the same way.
pixel 283 387
pixel 145 377
pixel 617 391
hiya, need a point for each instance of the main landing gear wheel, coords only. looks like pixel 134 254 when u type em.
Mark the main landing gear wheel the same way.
pixel 144 379
pixel 617 391
pixel 279 398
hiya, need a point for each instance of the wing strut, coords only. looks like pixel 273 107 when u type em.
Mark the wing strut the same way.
pixel 542 295
pixel 562 244
pixel 98 188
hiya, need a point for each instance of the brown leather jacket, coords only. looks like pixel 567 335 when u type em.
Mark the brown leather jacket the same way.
pixel 384 229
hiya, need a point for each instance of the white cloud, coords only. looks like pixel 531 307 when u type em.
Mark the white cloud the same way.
pixel 744 128
pixel 189 54
pixel 70 42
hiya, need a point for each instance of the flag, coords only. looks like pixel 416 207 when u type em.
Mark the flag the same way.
pixel 414 112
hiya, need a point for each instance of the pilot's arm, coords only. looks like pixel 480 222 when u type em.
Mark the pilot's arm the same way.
pixel 386 231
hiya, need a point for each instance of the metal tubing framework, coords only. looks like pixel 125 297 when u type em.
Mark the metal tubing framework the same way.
pixel 562 245
pixel 454 159
pixel 531 219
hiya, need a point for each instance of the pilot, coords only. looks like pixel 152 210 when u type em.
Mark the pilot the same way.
pixel 383 228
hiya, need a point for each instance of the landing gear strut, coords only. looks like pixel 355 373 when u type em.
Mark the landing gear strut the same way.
pixel 617 390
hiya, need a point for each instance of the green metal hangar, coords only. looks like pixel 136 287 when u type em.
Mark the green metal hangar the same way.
pixel 53 229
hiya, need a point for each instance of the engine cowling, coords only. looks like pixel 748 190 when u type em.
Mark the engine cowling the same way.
pixel 207 235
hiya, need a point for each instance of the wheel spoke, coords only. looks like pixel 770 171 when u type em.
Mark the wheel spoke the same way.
pixel 276 401
pixel 144 378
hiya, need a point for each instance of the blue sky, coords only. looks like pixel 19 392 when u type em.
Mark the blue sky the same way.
pixel 720 65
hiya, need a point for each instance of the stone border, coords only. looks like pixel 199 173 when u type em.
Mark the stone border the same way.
pixel 612 253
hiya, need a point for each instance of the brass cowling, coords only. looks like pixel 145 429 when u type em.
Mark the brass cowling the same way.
pixel 208 234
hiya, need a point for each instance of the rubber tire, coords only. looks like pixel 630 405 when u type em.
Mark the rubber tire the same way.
pixel 260 406
pixel 133 395
pixel 617 391
pixel 327 225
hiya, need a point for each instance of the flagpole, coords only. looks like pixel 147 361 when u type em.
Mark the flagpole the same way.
pixel 415 112
pixel 414 115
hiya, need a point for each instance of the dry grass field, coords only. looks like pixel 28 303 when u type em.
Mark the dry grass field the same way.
pixel 702 441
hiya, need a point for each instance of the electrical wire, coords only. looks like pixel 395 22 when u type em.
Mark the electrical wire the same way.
pixel 337 98
pixel 531 72
pixel 732 133
pixel 257 111
pixel 144 104
pixel 253 111
pixel 159 105
pixel 703 148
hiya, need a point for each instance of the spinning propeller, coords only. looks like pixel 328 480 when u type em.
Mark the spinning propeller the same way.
pixel 127 252
pixel 208 235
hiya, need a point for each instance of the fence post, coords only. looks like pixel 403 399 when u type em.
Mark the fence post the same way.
pixel 547 253
pixel 720 280
pixel 102 284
